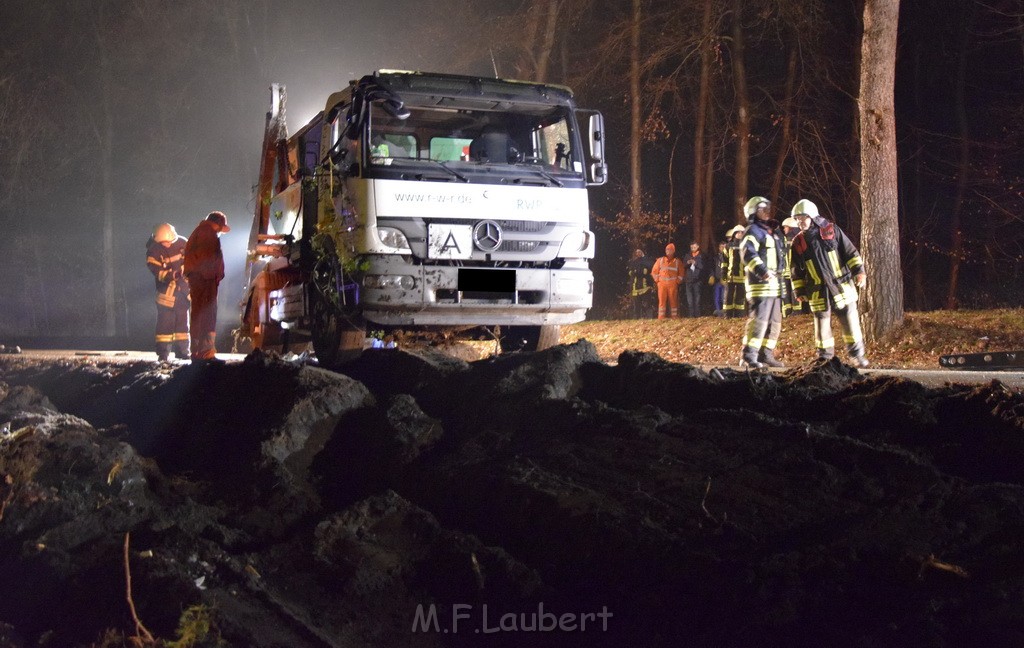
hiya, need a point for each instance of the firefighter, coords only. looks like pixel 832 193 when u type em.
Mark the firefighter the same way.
pixel 204 268
pixel 827 271
pixel 763 254
pixel 165 259
pixel 717 278
pixel 641 286
pixel 790 227
pixel 735 291
pixel 668 274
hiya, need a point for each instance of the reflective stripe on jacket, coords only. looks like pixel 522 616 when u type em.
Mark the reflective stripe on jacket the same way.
pixel 164 263
pixel 763 252
pixel 668 270
pixel 824 264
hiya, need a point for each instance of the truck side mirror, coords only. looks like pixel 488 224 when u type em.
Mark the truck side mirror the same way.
pixel 597 168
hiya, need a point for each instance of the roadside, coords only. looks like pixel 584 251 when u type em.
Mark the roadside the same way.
pixel 713 341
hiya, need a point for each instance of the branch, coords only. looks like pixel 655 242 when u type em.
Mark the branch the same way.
pixel 143 637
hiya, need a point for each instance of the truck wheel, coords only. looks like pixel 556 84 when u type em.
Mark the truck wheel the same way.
pixel 529 338
pixel 335 339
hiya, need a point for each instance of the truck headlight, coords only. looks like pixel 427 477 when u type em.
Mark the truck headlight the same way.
pixel 382 282
pixel 394 238
pixel 575 243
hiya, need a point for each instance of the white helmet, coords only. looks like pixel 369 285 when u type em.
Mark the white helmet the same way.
pixel 804 207
pixel 790 222
pixel 164 233
pixel 750 209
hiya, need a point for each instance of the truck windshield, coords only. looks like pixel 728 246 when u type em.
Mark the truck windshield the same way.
pixel 539 138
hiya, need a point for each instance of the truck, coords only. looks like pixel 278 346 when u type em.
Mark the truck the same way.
pixel 423 201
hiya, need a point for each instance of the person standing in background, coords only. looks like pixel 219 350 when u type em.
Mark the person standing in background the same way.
pixel 694 279
pixel 641 285
pixel 720 268
pixel 204 267
pixel 735 290
pixel 166 260
pixel 668 274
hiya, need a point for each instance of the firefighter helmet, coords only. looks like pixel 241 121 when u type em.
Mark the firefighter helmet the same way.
pixel 164 233
pixel 791 222
pixel 804 207
pixel 739 229
pixel 750 209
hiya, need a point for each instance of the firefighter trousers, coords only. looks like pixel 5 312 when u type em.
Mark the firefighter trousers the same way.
pixel 204 318
pixel 172 329
pixel 735 299
pixel 849 320
pixel 764 323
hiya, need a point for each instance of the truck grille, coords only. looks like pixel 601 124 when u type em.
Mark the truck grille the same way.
pixel 518 246
pixel 522 226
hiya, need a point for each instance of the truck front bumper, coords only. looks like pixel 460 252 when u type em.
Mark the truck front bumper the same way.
pixel 400 293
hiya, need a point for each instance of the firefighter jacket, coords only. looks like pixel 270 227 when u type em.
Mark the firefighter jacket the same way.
pixel 668 270
pixel 720 267
pixel 824 264
pixel 640 282
pixel 763 253
pixel 167 265
pixel 204 260
pixel 733 265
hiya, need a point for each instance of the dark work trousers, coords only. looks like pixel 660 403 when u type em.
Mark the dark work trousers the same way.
pixel 204 317
pixel 693 290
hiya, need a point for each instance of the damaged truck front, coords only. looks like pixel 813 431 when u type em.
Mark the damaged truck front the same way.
pixel 420 200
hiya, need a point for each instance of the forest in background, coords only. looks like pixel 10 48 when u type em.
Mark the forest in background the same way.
pixel 118 114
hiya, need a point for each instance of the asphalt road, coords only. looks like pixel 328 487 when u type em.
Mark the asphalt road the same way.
pixel 928 377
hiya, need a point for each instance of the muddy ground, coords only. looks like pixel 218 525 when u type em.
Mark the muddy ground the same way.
pixel 547 499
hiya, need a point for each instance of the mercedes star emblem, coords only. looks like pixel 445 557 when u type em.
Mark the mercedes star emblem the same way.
pixel 487 235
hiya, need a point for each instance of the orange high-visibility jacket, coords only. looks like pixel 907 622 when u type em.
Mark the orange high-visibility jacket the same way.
pixel 668 270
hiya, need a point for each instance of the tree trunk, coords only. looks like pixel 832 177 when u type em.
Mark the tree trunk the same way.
pixel 634 122
pixel 883 297
pixel 700 127
pixel 742 129
pixel 787 127
pixel 956 248
pixel 547 41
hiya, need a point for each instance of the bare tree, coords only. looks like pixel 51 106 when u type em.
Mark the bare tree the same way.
pixel 742 100
pixel 883 307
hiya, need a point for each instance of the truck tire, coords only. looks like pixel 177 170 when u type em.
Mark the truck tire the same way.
pixel 335 338
pixel 529 338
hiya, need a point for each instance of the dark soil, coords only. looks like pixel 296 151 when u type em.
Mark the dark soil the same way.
pixel 547 499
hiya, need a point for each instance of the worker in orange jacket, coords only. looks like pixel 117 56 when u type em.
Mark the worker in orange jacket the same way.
pixel 668 274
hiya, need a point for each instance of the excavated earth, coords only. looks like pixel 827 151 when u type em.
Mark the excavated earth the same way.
pixel 546 499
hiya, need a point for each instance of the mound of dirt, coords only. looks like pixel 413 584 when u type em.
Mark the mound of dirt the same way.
pixel 545 499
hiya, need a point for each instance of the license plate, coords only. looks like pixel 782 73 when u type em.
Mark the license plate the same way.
pixel 449 241
pixel 491 281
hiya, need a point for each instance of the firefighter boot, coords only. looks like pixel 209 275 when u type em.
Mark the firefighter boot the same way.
pixel 749 358
pixel 860 362
pixel 768 359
